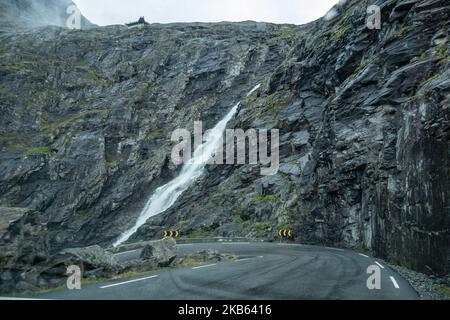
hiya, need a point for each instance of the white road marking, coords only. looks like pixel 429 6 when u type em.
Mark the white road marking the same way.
pixel 395 283
pixel 381 266
pixel 247 259
pixel 185 244
pixel 207 266
pixel 126 282
pixel 363 255
pixel 131 251
pixel 233 243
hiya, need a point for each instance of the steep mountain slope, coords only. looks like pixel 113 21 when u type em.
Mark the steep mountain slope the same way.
pixel 363 114
pixel 88 115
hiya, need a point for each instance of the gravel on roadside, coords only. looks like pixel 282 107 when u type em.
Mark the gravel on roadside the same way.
pixel 426 286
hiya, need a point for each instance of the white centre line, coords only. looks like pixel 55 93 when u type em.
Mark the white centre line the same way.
pixel 207 266
pixel 395 283
pixel 335 249
pixel 126 282
pixel 235 243
pixel 381 266
pixel 363 255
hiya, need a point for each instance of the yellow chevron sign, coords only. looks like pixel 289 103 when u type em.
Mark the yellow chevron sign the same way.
pixel 285 233
pixel 171 233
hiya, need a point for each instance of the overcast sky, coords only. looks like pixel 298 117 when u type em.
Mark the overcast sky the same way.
pixel 106 12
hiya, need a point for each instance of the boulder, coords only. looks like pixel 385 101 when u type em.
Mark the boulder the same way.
pixel 94 261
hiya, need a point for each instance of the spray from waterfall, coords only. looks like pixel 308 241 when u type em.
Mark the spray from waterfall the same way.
pixel 166 196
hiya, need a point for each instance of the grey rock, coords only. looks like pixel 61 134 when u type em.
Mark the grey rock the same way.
pixel 93 257
pixel 210 256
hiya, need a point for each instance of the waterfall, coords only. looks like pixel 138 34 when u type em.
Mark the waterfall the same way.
pixel 164 197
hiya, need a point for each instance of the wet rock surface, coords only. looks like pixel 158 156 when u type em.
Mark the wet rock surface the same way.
pixel 364 126
pixel 88 141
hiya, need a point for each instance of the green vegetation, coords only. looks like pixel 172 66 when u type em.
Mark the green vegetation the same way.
pixel 8 138
pixel 339 34
pixel 39 150
pixel 400 33
pixel 7 94
pixel 181 225
pixel 112 163
pixel 16 66
pixel 95 75
pixel 201 234
pixel 275 102
pixel 23 144
pixel 216 197
pixel 361 247
pixel 441 51
pixel 263 229
pixel 237 219
pixel 141 95
pixel 421 91
pixel 260 107
pixel 428 80
pixel 155 134
pixel 114 159
pixel 20 144
pixel 444 290
pixel 285 33
pixel 49 126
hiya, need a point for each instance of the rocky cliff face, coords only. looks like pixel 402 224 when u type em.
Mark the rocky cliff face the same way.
pixel 363 117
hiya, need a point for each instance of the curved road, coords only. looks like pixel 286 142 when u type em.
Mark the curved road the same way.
pixel 262 271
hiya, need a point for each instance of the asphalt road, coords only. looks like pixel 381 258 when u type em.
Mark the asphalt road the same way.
pixel 262 271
